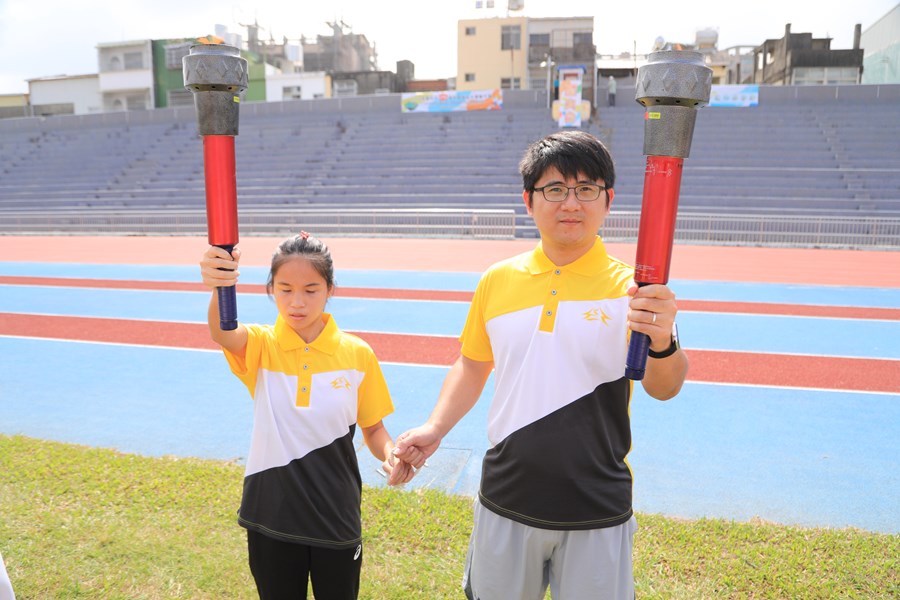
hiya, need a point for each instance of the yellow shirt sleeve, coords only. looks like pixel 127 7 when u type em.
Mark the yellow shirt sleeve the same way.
pixel 247 367
pixel 374 402
pixel 476 344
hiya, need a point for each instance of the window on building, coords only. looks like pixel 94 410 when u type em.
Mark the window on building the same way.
pixel 174 54
pixel 824 75
pixel 291 92
pixel 539 39
pixel 470 31
pixel 508 83
pixel 344 88
pixel 137 102
pixel 48 110
pixel 582 37
pixel 115 64
pixel 511 37
pixel 134 60
pixel 470 76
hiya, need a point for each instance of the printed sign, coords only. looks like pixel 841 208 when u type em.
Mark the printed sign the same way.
pixel 451 101
pixel 734 95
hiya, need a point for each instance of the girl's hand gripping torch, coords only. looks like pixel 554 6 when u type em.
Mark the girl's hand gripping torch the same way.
pixel 672 86
pixel 216 75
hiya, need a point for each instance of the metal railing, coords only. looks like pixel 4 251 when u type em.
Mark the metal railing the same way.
pixel 762 230
pixel 420 222
pixel 620 226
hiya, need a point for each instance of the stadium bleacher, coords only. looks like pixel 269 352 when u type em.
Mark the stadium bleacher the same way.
pixel 817 155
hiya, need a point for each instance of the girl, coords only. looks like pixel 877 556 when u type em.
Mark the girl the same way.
pixel 311 385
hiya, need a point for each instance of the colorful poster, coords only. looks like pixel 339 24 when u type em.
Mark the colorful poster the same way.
pixel 570 81
pixel 451 101
pixel 734 95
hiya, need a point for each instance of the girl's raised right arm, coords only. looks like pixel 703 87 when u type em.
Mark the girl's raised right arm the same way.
pixel 219 269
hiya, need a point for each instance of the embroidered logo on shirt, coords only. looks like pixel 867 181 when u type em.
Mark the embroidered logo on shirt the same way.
pixel 596 314
pixel 341 382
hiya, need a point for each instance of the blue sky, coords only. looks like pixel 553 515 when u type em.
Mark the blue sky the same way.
pixel 54 37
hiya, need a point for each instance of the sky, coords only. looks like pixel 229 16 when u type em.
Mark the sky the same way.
pixel 40 38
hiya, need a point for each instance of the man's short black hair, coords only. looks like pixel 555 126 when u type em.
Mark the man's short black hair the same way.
pixel 573 153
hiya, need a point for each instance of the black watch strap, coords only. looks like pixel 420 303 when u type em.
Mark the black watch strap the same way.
pixel 672 349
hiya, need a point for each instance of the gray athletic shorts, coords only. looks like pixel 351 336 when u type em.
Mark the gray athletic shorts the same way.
pixel 511 561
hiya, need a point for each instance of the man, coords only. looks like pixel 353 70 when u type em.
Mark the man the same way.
pixel 611 91
pixel 554 505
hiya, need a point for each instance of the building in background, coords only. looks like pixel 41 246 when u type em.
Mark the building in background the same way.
pixel 14 105
pixel 126 75
pixel 65 95
pixel 738 61
pixel 168 72
pixel 297 86
pixel 881 49
pixel 800 59
pixel 341 52
pixel 524 53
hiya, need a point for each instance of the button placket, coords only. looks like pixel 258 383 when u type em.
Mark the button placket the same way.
pixel 551 302
pixel 304 379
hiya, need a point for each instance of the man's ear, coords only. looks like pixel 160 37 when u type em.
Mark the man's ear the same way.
pixel 610 193
pixel 526 195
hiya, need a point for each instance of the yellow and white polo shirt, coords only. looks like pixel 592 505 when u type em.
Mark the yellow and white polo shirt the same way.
pixel 559 422
pixel 302 481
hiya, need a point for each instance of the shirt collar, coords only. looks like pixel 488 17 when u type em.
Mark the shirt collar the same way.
pixel 326 342
pixel 588 264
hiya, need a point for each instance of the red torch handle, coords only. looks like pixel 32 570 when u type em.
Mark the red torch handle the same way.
pixel 221 212
pixel 221 190
pixel 662 183
pixel 659 209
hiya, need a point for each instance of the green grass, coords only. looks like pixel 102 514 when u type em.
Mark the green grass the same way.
pixel 80 522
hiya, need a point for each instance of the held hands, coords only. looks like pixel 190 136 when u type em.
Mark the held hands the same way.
pixel 652 311
pixel 398 471
pixel 408 457
pixel 218 268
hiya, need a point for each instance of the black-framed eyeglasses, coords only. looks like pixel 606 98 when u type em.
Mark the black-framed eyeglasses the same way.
pixel 584 192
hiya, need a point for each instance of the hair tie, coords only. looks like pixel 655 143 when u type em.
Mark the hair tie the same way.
pixel 304 235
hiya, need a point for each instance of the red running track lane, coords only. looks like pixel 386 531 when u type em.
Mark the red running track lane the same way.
pixel 760 308
pixel 748 368
pixel 706 263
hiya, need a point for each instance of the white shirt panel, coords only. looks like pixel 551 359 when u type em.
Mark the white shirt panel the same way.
pixel 528 360
pixel 284 432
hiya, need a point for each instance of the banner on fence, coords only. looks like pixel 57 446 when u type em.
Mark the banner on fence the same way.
pixel 734 95
pixel 452 101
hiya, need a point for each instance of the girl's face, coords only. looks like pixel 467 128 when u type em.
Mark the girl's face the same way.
pixel 300 294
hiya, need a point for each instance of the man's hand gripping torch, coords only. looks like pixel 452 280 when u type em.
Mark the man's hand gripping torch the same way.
pixel 672 86
pixel 216 75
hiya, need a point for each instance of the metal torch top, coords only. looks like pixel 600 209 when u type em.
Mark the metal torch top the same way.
pixel 674 77
pixel 215 67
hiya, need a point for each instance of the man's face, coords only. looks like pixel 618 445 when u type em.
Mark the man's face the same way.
pixel 570 223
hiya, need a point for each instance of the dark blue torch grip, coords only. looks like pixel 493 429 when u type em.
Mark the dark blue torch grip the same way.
pixel 227 308
pixel 636 361
pixel 227 301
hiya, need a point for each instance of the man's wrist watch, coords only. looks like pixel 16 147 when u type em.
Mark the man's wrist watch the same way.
pixel 672 349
